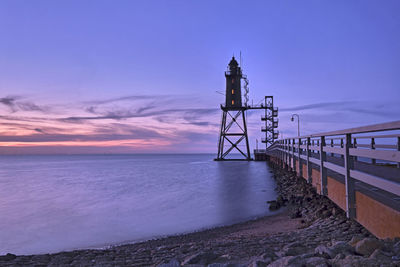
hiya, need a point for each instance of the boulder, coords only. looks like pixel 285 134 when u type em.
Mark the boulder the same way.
pixel 225 265
pixel 171 263
pixel 273 205
pixel 324 251
pixel 204 258
pixel 354 240
pixel 292 261
pixel 330 252
pixel 8 257
pixel 355 261
pixel 316 261
pixel 379 255
pixel 366 246
pixel 260 262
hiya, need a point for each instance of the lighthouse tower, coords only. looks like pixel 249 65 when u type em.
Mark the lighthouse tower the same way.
pixel 233 87
pixel 233 124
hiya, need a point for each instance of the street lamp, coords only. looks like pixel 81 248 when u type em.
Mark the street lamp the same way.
pixel 298 123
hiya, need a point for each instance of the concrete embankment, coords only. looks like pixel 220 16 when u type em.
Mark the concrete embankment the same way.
pixel 312 231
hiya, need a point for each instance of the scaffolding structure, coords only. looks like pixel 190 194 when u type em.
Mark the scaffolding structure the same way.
pixel 271 122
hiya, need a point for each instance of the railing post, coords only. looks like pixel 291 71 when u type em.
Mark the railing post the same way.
pixel 283 154
pixel 332 146
pixel 398 149
pixel 373 161
pixel 286 154
pixel 299 154
pixel 293 158
pixel 309 170
pixel 349 182
pixel 341 146
pixel 355 146
pixel 322 169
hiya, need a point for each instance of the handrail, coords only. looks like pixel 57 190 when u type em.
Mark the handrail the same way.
pixel 302 149
pixel 387 126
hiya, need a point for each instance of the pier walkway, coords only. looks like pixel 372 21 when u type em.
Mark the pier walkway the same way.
pixel 357 168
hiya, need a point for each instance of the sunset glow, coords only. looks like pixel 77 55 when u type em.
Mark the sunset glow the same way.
pixel 136 83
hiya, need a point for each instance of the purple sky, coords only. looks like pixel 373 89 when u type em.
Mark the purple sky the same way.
pixel 142 76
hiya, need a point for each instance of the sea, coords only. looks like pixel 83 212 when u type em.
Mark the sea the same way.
pixel 52 203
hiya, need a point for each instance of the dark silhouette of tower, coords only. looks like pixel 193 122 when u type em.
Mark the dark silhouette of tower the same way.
pixel 233 116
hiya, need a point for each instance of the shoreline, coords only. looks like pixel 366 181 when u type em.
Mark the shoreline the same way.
pixel 218 228
pixel 311 231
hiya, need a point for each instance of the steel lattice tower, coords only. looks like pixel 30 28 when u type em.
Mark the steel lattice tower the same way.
pixel 233 115
pixel 271 123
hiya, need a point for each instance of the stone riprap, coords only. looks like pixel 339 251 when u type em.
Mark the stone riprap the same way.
pixel 322 236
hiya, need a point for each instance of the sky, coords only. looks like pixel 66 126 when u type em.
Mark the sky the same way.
pixel 144 76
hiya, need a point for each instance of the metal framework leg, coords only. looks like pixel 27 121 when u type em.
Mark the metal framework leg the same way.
pixel 225 135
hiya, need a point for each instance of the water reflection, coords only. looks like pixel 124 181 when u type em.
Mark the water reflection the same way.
pixel 54 203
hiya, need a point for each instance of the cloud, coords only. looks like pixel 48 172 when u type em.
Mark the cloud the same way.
pixel 29 106
pixel 41 136
pixel 388 110
pixel 125 98
pixel 138 113
pixel 322 105
pixel 9 101
pixel 14 105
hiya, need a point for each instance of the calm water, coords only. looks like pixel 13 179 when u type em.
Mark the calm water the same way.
pixel 55 203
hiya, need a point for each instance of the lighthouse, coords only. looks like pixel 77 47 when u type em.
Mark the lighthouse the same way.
pixel 233 132
pixel 233 85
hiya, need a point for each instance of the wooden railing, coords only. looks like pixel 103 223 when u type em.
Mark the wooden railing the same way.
pixel 372 159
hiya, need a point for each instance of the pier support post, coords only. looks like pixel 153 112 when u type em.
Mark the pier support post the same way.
pixel 289 155
pixel 309 170
pixel 293 157
pixel 373 161
pixel 349 182
pixel 398 149
pixel 322 170
pixel 299 156
pixel 285 153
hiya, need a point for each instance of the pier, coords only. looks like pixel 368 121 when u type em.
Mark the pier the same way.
pixel 357 168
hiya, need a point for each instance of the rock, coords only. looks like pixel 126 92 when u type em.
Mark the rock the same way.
pixel 339 257
pixel 257 262
pixel 296 214
pixel 201 258
pixel 225 265
pixel 273 205
pixel 224 258
pixel 293 249
pixel 324 252
pixel 293 261
pixel 354 240
pixel 316 261
pixel 356 261
pixel 379 255
pixel 396 247
pixel 8 257
pixel 341 247
pixel 269 256
pixel 171 263
pixel 367 246
pixel 326 214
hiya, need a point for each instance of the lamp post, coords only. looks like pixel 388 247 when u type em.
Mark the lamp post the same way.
pixel 298 123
